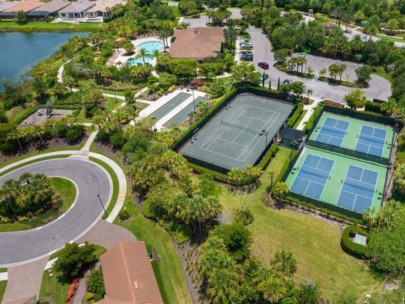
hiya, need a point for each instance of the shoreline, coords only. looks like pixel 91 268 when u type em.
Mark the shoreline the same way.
pixel 32 27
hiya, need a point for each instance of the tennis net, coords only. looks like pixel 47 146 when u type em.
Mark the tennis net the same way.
pixel 358 184
pixel 335 130
pixel 314 171
pixel 230 124
pixel 372 138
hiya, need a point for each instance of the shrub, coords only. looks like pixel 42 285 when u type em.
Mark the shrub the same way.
pixel 310 123
pixel 348 246
pixel 117 140
pixel 124 215
pixel 244 216
pixel 297 113
pixel 373 107
pixel 74 133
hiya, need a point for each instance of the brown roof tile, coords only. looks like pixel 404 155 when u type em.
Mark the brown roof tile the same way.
pixel 128 275
pixel 24 6
pixel 197 43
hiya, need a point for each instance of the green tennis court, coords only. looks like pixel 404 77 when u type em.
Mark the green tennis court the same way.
pixel 358 135
pixel 239 134
pixel 335 179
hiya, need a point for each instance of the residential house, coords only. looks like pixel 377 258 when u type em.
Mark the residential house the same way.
pixel 24 6
pixel 76 10
pixel 197 43
pixel 6 5
pixel 50 9
pixel 128 275
pixel 102 9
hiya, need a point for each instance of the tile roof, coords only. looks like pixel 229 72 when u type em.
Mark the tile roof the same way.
pixel 25 6
pixel 197 43
pixel 49 7
pixel 128 275
pixel 102 5
pixel 6 5
pixel 78 7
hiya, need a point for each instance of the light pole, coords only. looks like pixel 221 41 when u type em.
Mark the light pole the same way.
pixel 192 91
pixel 102 205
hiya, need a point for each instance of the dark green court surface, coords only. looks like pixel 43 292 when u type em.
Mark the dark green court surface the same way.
pixel 240 133
pixel 170 105
pixel 185 113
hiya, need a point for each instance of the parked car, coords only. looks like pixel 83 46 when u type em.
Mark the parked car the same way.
pixel 286 81
pixel 246 56
pixel 247 45
pixel 263 65
pixel 265 76
pixel 303 54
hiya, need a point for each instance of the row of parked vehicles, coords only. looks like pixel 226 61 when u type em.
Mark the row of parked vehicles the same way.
pixel 246 47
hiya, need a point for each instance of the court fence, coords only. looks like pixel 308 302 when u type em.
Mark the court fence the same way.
pixel 348 152
pixel 218 107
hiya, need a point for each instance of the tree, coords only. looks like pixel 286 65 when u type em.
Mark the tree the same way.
pixel 21 17
pixel 74 260
pixel 144 54
pixel 244 74
pixel 386 247
pixel 128 46
pixel 333 70
pixel 237 239
pixel 307 293
pixel 95 284
pixel 284 263
pixel 323 72
pixel 280 189
pixel 281 55
pixel 399 180
pixel 355 99
pixel 364 74
pixel 217 88
pixel 384 217
pixel 341 68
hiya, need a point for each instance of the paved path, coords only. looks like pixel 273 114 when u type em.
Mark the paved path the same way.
pixel 24 281
pixel 310 110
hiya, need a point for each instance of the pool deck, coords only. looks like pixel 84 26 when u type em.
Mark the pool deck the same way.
pixel 121 58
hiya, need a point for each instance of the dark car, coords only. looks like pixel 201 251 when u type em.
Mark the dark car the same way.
pixel 247 57
pixel 263 65
pixel 286 81
pixel 265 76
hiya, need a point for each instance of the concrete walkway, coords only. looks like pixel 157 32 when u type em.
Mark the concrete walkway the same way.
pixel 310 110
pixel 24 281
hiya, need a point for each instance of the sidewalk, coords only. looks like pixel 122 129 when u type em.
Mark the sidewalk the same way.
pixel 310 110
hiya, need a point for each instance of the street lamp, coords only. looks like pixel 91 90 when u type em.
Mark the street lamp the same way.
pixel 102 205
pixel 192 90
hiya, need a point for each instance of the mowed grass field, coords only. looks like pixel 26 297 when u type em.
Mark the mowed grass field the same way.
pixel 314 242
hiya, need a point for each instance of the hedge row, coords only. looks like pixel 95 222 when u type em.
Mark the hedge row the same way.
pixel 310 123
pixel 268 156
pixel 348 246
pixel 373 107
pixel 296 115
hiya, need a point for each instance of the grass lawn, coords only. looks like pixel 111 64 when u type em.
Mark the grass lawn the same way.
pixel 3 269
pixel 68 191
pixel 171 279
pixel 51 287
pixel 315 243
pixel 300 118
pixel 391 38
pixel 46 26
pixel 118 93
pixel 112 103
pixel 384 74
pixel 3 285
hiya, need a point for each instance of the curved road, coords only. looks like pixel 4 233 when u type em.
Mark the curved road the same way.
pixel 90 179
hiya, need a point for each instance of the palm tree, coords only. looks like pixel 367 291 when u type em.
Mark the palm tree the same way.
pixel 272 289
pixel 284 263
pixel 280 189
pixel 222 284
pixel 143 53
pixel 341 68
pixel 333 70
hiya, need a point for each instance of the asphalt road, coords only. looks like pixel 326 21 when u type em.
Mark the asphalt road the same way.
pixel 90 179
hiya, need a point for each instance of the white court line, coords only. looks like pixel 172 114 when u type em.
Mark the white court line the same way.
pixel 250 151
pixel 220 129
pixel 231 142
pixel 240 132
pixel 253 139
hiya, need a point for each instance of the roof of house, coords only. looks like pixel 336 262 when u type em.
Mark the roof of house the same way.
pixel 128 275
pixel 25 6
pixel 102 5
pixel 292 134
pixel 49 7
pixel 78 7
pixel 6 5
pixel 197 43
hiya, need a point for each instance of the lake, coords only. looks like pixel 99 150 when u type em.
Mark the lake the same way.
pixel 19 52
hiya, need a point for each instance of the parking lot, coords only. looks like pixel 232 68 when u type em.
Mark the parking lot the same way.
pixel 318 63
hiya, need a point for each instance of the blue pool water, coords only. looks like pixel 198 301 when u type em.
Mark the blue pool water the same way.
pixel 150 47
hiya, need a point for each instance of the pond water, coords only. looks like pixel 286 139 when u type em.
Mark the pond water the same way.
pixel 19 52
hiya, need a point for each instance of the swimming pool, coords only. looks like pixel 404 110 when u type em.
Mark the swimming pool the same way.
pixel 150 47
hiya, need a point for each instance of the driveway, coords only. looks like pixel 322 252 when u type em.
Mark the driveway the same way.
pixel 90 179
pixel 379 87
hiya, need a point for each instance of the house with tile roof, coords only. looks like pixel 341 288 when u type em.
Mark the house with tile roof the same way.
pixel 25 6
pixel 76 9
pixel 197 43
pixel 128 275
pixel 5 5
pixel 102 8
pixel 50 9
